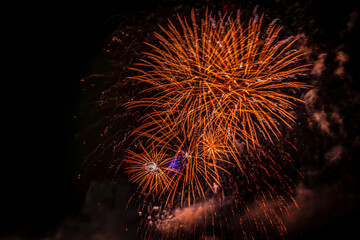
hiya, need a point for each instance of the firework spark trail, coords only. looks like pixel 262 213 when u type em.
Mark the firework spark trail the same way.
pixel 215 86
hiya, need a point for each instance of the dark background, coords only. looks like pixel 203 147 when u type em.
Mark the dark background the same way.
pixel 64 42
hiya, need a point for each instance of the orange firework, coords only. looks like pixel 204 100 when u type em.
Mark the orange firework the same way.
pixel 222 72
pixel 203 163
pixel 213 85
pixel 195 165
pixel 149 169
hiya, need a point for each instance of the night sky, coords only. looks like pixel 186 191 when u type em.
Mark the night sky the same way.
pixel 53 118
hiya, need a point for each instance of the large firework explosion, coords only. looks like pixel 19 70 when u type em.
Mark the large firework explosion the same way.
pixel 218 91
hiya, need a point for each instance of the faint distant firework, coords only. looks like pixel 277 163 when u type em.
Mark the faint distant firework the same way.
pixel 219 91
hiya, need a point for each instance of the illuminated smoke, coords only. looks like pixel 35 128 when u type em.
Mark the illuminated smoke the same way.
pixel 341 58
pixel 186 218
pixel 319 65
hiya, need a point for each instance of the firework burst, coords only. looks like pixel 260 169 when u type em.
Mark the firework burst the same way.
pixel 149 169
pixel 217 90
pixel 221 72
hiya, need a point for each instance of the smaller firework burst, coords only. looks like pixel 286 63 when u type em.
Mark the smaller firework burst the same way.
pixel 149 169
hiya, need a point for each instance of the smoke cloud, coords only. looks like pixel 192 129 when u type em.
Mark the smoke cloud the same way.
pixel 341 58
pixel 187 217
pixel 104 215
pixel 334 154
pixel 319 65
pixel 319 207
pixel 321 119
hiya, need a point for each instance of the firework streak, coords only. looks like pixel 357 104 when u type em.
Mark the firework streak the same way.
pixel 219 91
